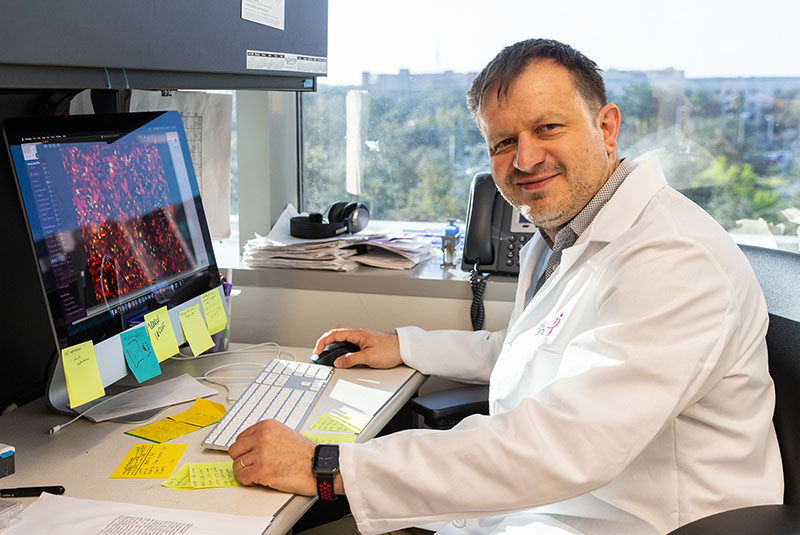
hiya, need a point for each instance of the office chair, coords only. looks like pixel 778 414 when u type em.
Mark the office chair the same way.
pixel 778 273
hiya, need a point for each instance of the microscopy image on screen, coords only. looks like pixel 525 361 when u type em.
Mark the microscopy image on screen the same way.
pixel 129 228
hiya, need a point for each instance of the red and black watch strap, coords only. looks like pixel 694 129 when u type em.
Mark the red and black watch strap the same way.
pixel 325 487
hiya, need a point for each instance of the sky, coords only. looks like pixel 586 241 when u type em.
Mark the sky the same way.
pixel 701 37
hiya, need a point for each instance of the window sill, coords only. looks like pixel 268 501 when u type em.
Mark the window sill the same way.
pixel 428 279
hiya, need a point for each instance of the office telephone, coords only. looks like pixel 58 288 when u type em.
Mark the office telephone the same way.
pixel 495 230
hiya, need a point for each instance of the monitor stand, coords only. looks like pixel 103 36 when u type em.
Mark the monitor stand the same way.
pixel 114 390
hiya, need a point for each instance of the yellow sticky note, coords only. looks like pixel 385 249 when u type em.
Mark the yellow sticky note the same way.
pixel 149 461
pixel 213 475
pixel 329 438
pixel 204 412
pixel 214 310
pixel 162 430
pixel 82 374
pixel 341 423
pixel 179 479
pixel 195 330
pixel 159 329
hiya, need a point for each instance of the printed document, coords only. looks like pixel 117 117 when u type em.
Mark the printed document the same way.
pixel 74 516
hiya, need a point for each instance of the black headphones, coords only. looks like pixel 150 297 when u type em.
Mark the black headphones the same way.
pixel 343 217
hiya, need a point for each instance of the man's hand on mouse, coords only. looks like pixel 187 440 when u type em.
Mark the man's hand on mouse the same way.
pixel 378 350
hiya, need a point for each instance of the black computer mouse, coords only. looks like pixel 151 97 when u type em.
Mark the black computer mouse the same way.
pixel 333 351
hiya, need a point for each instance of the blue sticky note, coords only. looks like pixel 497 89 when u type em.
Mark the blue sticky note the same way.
pixel 139 354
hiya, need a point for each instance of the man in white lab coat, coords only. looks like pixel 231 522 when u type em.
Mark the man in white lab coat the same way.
pixel 630 392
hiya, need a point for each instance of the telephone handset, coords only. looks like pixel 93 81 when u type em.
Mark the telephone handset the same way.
pixel 495 230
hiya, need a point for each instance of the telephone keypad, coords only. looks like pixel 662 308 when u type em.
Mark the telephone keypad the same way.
pixel 513 245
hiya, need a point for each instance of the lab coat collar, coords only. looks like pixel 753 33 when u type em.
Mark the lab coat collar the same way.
pixel 622 210
pixel 615 218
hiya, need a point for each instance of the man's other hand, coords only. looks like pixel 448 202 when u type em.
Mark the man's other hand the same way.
pixel 378 350
pixel 273 455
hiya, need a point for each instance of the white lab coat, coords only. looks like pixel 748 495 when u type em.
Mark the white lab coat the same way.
pixel 630 396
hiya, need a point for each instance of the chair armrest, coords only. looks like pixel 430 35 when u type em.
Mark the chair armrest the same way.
pixel 760 519
pixel 445 408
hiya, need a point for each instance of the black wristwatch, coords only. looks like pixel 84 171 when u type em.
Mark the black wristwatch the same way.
pixel 325 467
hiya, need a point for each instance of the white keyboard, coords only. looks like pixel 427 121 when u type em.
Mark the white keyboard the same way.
pixel 285 390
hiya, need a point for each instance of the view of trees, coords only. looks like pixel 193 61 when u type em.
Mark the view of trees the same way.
pixel 735 152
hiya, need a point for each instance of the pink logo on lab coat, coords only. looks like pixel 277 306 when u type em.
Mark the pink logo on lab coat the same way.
pixel 553 326
pixel 547 330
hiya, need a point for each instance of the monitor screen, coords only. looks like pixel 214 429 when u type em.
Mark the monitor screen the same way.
pixel 115 218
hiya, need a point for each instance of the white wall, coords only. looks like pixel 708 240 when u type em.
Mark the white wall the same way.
pixel 297 317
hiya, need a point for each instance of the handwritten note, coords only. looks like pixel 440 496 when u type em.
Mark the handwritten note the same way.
pixel 201 414
pixel 214 310
pixel 159 328
pixel 82 374
pixel 329 438
pixel 162 430
pixel 179 479
pixel 195 330
pixel 139 354
pixel 203 476
pixel 213 475
pixel 149 461
pixel 341 423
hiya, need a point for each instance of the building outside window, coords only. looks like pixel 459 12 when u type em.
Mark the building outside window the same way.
pixel 389 126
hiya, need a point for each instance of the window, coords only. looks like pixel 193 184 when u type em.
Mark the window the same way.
pixel 389 125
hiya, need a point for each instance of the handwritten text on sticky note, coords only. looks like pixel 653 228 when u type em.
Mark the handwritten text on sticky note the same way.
pixel 159 328
pixel 82 374
pixel 149 461
pixel 195 330
pixel 214 311
pixel 139 354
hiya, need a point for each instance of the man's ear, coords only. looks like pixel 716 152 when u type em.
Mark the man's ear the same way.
pixel 609 119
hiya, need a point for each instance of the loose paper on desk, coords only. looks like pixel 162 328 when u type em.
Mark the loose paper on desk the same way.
pixel 159 327
pixel 162 394
pixel 74 516
pixel 203 413
pixel 139 354
pixel 365 399
pixel 149 461
pixel 82 374
pixel 214 311
pixel 195 330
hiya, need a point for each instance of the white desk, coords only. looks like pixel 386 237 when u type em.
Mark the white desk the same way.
pixel 81 457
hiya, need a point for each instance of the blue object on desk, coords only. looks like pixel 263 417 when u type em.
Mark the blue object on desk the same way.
pixel 6 460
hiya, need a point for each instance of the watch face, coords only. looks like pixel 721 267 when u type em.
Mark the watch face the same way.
pixel 326 458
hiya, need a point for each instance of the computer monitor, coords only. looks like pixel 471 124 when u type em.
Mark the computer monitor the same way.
pixel 114 216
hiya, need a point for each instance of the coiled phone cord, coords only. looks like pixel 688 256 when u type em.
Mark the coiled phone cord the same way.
pixel 476 312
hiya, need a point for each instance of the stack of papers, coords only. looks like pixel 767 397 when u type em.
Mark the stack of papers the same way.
pixel 342 253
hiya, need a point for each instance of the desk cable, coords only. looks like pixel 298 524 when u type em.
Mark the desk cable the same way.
pixel 214 379
pixel 205 377
pixel 57 428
